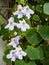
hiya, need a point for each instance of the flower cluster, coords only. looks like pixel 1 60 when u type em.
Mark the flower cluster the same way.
pixel 23 11
pixel 18 53
pixel 22 24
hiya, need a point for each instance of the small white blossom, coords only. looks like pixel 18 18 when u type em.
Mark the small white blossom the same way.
pixel 23 25
pixel 19 12
pixel 14 41
pixel 27 11
pixel 18 53
pixel 12 55
pixel 10 24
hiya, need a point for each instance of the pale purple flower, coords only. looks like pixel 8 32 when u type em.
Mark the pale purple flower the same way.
pixel 23 25
pixel 18 53
pixel 14 41
pixel 27 11
pixel 10 24
pixel 12 55
pixel 19 12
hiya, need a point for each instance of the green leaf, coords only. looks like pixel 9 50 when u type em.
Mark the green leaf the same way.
pixel 46 8
pixel 46 50
pixel 21 1
pixel 31 63
pixel 44 32
pixel 46 62
pixel 39 1
pixel 34 53
pixel 4 31
pixel 6 60
pixel 39 8
pixel 36 17
pixel 7 51
pixel 19 62
pixel 33 37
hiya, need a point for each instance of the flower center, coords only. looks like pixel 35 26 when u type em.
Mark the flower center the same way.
pixel 20 50
pixel 19 10
pixel 27 9
pixel 14 40
pixel 10 23
pixel 23 23
pixel 13 52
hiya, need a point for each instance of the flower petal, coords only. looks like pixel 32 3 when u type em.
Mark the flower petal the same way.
pixel 28 15
pixel 20 57
pixel 7 26
pixel 18 38
pixel 15 13
pixel 23 53
pixel 27 26
pixel 9 56
pixel 13 59
pixel 11 19
pixel 31 12
pixel 23 29
pixel 18 25
pixel 19 7
pixel 11 27
pixel 20 15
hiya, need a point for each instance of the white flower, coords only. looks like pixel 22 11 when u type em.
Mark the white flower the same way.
pixel 14 41
pixel 17 53
pixel 27 11
pixel 12 55
pixel 23 25
pixel 11 24
pixel 20 53
pixel 19 12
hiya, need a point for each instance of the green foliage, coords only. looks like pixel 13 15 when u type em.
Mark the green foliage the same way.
pixel 34 53
pixel 33 37
pixel 44 32
pixel 39 8
pixel 31 63
pixel 36 17
pixel 21 1
pixel 46 62
pixel 6 60
pixel 46 8
pixel 20 62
